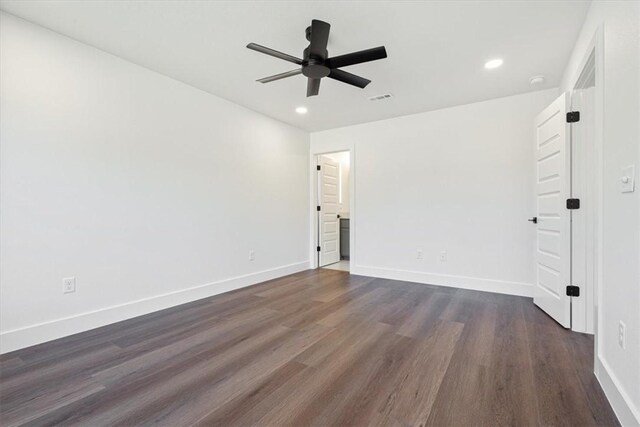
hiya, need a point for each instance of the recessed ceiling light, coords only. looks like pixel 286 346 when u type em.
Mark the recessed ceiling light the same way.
pixel 301 110
pixel 494 63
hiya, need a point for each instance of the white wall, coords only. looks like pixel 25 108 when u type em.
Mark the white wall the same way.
pixel 150 192
pixel 458 180
pixel 618 369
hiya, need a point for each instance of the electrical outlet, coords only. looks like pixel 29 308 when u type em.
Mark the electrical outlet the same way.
pixel 252 255
pixel 68 285
pixel 622 335
pixel 419 254
pixel 443 256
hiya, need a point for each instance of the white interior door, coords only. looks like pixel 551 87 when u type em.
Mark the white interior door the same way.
pixel 553 234
pixel 329 229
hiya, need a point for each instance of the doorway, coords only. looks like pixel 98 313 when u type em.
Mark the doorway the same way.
pixel 583 187
pixel 333 222
pixel 568 201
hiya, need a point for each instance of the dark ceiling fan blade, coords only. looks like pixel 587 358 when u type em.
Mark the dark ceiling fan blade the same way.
pixel 275 53
pixel 319 39
pixel 349 78
pixel 359 57
pixel 313 87
pixel 280 76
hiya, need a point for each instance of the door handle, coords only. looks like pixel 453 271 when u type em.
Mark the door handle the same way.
pixel 533 220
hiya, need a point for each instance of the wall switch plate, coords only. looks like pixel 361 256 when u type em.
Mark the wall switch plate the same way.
pixel 419 254
pixel 622 331
pixel 443 256
pixel 627 179
pixel 68 285
pixel 252 255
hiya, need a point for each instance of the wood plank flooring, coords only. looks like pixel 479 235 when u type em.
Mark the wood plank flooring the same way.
pixel 319 347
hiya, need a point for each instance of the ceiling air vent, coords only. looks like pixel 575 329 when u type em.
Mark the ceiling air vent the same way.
pixel 383 97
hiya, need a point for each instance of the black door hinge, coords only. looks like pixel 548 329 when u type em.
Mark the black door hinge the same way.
pixel 573 203
pixel 318 167
pixel 573 291
pixel 318 248
pixel 573 116
pixel 318 208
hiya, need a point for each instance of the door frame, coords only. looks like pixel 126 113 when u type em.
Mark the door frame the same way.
pixel 584 237
pixel 314 177
pixel 595 209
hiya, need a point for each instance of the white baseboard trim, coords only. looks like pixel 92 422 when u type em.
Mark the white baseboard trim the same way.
pixel 47 331
pixel 627 414
pixel 464 282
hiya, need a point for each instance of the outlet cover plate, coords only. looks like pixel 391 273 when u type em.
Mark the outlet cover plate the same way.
pixel 68 285
pixel 622 338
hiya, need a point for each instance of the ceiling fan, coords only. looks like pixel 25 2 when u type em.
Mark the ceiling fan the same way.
pixel 316 62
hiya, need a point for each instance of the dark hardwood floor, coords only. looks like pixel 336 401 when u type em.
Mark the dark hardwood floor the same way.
pixel 316 348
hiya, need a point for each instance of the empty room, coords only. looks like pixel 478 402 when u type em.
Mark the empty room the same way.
pixel 328 213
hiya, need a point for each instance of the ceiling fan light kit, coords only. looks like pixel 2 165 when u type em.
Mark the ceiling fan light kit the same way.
pixel 316 63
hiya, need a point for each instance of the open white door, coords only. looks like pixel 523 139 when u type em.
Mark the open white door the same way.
pixel 329 228
pixel 553 235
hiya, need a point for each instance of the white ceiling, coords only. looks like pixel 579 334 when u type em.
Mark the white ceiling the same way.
pixel 436 49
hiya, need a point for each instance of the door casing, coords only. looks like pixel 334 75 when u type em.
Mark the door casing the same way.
pixel 583 186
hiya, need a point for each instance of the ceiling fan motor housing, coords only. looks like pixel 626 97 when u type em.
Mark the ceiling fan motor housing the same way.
pixel 314 67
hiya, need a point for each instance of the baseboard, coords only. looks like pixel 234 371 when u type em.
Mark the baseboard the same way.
pixel 464 282
pixel 47 331
pixel 627 414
